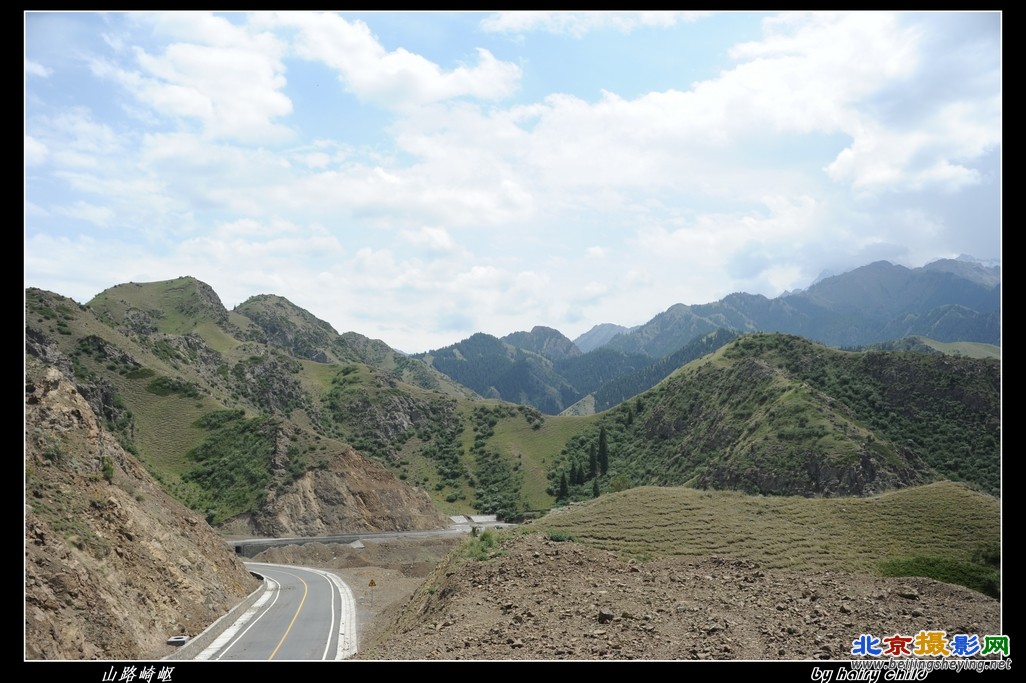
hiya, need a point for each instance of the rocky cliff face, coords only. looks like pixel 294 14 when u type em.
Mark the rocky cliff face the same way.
pixel 113 564
pixel 351 493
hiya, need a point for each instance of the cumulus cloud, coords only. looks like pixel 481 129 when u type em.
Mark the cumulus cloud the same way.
pixel 396 78
pixel 224 76
pixel 828 140
pixel 935 154
pixel 820 71
pixel 577 24
pixel 69 265
pixel 747 246
pixel 314 159
pixel 810 73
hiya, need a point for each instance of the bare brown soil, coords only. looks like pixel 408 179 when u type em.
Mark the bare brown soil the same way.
pixel 538 599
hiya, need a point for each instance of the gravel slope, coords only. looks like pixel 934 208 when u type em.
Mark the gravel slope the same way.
pixel 543 600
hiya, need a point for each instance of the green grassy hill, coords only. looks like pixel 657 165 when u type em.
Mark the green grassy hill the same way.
pixel 932 346
pixel 169 360
pixel 228 408
pixel 777 414
pixel 907 532
pixel 967 349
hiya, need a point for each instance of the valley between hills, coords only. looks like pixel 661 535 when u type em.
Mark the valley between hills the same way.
pixel 745 480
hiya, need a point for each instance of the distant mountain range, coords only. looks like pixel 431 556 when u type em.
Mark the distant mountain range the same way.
pixel 951 300
pixel 946 300
pixel 267 421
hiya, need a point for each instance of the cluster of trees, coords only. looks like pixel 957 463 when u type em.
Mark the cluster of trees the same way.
pixel 232 465
pixel 579 474
pixel 498 480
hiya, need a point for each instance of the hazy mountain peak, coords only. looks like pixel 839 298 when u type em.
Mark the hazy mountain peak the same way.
pixel 598 336
pixel 968 268
pixel 545 341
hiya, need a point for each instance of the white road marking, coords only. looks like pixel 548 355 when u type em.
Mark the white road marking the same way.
pixel 222 640
pixel 347 642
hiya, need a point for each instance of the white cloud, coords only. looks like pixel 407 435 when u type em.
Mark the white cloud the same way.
pixel 816 72
pixel 833 137
pixel 102 216
pixel 810 73
pixel 748 247
pixel 35 151
pixel 481 278
pixel 112 187
pixel 371 261
pixel 785 277
pixel 432 239
pixel 37 69
pixel 895 160
pixel 314 159
pixel 593 290
pixel 76 130
pixel 70 266
pixel 398 78
pixel 225 76
pixel 577 24
pixel 271 255
pixel 33 210
pixel 251 229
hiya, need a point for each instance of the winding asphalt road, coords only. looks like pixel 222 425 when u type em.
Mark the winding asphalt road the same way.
pixel 303 614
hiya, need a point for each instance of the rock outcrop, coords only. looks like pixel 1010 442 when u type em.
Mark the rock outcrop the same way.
pixel 352 493
pixel 113 564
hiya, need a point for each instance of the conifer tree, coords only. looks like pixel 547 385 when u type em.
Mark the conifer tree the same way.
pixel 603 451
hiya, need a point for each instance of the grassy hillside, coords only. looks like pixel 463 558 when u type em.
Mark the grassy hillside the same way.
pixel 778 414
pixel 931 346
pixel 174 306
pixel 536 448
pixel 872 535
pixel 967 349
pixel 144 349
pixel 764 414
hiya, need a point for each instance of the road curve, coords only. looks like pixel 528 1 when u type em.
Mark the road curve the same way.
pixel 303 614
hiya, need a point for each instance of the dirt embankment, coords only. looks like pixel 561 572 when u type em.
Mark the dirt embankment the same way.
pixel 544 600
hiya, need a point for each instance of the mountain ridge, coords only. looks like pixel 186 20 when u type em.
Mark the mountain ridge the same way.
pixel 264 420
pixel 280 389
pixel 947 301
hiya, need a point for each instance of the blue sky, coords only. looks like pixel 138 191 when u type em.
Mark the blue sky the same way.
pixel 418 177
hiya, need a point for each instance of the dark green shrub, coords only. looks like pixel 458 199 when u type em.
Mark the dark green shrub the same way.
pixel 108 469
